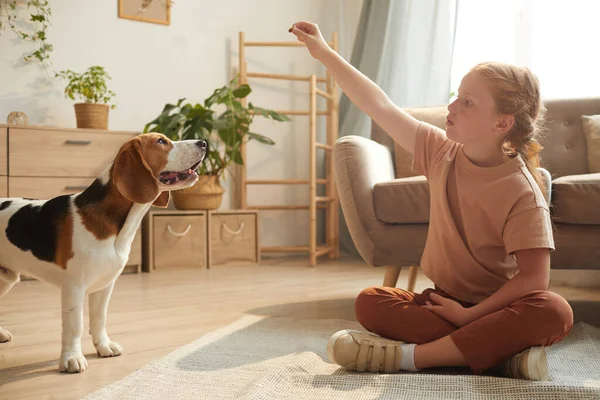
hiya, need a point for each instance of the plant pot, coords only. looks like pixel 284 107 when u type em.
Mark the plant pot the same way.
pixel 92 116
pixel 206 194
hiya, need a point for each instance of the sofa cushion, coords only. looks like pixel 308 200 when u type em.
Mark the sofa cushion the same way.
pixel 576 199
pixel 576 247
pixel 591 130
pixel 402 201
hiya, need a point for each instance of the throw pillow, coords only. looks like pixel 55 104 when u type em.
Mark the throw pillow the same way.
pixel 591 130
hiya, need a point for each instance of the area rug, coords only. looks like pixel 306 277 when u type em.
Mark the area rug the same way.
pixel 260 357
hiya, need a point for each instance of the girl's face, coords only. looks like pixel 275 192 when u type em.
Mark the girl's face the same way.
pixel 472 117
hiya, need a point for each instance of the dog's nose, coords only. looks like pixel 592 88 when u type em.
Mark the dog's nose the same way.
pixel 202 144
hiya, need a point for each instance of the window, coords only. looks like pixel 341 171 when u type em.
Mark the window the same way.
pixel 559 41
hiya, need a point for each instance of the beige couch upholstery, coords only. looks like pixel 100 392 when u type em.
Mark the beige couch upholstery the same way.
pixel 386 206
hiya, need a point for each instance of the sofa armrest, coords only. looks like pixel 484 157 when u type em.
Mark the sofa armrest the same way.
pixel 359 164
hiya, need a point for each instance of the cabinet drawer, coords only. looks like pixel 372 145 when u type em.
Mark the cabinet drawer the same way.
pixel 62 153
pixel 46 188
pixel 179 241
pixel 3 156
pixel 233 238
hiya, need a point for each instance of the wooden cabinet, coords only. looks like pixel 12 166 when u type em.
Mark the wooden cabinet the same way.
pixel 33 187
pixel 74 153
pixel 44 162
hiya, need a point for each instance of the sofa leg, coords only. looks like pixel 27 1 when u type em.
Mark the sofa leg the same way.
pixel 412 277
pixel 391 276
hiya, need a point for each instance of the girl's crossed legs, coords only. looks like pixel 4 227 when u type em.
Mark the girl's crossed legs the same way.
pixel 540 318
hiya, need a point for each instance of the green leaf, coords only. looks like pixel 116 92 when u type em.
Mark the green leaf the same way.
pixel 237 106
pixel 237 158
pixel 214 97
pixel 279 117
pixel 168 108
pixel 260 138
pixel 226 135
pixel 221 124
pixel 271 114
pixel 242 91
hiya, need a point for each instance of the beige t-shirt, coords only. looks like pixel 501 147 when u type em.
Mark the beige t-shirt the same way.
pixel 478 217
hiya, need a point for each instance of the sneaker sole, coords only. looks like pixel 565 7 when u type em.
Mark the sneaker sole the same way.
pixel 537 364
pixel 332 340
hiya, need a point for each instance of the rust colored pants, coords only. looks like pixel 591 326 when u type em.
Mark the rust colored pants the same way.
pixel 538 318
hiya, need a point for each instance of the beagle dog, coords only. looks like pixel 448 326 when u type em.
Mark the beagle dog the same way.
pixel 81 242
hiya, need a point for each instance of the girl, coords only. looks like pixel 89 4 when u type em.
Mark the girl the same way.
pixel 489 238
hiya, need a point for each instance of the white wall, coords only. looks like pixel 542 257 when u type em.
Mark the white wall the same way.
pixel 153 64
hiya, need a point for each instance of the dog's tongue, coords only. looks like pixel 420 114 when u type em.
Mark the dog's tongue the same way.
pixel 168 175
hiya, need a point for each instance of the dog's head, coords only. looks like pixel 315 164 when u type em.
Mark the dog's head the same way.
pixel 150 165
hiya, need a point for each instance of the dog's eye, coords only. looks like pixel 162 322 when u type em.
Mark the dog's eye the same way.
pixel 161 141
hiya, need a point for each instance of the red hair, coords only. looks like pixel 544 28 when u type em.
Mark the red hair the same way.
pixel 516 92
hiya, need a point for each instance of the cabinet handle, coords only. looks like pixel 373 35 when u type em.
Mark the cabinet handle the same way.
pixel 179 233
pixel 237 232
pixel 78 142
pixel 75 187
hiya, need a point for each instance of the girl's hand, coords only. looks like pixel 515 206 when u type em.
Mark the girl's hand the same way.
pixel 450 310
pixel 309 34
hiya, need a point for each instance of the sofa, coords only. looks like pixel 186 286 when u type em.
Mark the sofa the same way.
pixel 386 205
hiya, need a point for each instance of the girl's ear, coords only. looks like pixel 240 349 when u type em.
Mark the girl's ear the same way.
pixel 504 124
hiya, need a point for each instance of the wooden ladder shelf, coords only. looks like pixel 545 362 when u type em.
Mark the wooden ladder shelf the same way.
pixel 330 201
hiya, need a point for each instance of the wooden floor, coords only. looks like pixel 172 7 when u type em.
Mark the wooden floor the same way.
pixel 151 315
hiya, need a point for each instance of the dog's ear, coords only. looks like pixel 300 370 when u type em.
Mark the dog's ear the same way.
pixel 132 175
pixel 163 199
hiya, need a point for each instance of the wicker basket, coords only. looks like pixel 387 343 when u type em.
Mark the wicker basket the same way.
pixel 92 116
pixel 206 194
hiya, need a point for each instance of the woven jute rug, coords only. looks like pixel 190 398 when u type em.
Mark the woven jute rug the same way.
pixel 259 357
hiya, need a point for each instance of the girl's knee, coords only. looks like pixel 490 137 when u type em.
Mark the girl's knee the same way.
pixel 554 312
pixel 560 310
pixel 364 304
pixel 372 302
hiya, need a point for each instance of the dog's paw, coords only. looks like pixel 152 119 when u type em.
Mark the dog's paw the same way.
pixel 109 349
pixel 5 336
pixel 72 362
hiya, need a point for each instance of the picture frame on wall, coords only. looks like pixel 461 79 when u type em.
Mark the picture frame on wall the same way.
pixel 153 11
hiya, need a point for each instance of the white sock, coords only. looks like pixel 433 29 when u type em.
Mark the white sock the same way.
pixel 407 362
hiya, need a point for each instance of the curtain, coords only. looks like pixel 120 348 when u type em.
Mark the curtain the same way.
pixel 406 47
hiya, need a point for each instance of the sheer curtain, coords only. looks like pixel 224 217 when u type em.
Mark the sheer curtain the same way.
pixel 558 40
pixel 405 46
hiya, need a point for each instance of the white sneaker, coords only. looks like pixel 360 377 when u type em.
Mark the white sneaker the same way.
pixel 364 351
pixel 531 364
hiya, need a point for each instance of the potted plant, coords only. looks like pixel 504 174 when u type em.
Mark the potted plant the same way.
pixel 225 132
pixel 91 88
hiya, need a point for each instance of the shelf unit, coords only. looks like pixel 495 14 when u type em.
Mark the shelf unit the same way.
pixel 330 201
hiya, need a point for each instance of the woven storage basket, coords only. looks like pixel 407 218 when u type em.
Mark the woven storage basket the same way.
pixel 92 116
pixel 206 194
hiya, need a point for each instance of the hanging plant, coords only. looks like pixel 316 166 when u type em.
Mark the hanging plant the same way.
pixel 38 18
